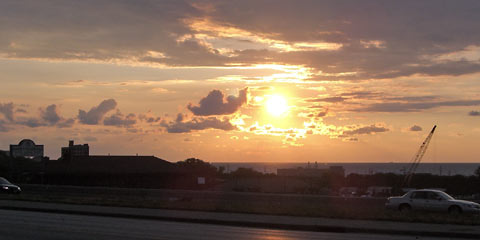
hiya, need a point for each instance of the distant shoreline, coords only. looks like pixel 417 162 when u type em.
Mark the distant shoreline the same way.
pixel 443 169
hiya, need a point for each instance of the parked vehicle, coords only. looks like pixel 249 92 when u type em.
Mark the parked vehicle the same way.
pixel 7 187
pixel 431 200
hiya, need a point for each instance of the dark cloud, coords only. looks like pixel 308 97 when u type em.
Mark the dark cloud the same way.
pixel 196 124
pixel 66 123
pixel 474 113
pixel 3 128
pixel 214 103
pixel 179 118
pixel 319 114
pixel 120 120
pixel 416 128
pixel 96 114
pixel 31 122
pixel 7 110
pixel 378 40
pixel 50 115
pixel 149 118
pixel 100 30
pixel 414 107
pixel 365 130
pixel 362 94
pixel 413 98
pixel 322 113
pixel 328 99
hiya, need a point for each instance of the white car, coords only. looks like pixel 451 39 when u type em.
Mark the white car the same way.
pixel 431 200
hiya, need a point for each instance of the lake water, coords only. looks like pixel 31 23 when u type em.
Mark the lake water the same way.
pixel 445 169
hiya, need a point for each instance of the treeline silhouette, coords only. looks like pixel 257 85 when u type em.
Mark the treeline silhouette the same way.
pixel 196 174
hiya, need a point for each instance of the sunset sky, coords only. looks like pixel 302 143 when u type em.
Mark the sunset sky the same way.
pixel 243 81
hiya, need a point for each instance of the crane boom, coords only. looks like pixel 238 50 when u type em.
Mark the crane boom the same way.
pixel 417 158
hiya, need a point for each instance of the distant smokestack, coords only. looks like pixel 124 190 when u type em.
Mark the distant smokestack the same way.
pixel 70 143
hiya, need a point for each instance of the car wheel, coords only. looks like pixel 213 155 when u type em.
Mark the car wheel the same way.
pixel 405 208
pixel 455 210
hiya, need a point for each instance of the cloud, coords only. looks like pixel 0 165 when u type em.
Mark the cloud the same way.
pixel 48 117
pixel 149 117
pixel 328 99
pixel 402 43
pixel 365 130
pixel 66 123
pixel 96 114
pixel 214 103
pixel 415 128
pixel 316 114
pixel 362 94
pixel 7 110
pixel 31 122
pixel 413 98
pixel 322 113
pixel 51 117
pixel 196 124
pixel 474 113
pixel 415 107
pixel 50 114
pixel 338 40
pixel 118 119
pixel 3 128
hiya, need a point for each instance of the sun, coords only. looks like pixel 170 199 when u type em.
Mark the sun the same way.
pixel 276 105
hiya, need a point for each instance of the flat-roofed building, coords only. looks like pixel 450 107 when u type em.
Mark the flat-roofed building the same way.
pixel 75 150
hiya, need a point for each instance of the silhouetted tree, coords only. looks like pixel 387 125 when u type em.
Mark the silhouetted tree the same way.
pixel 245 172
pixel 197 166
pixel 477 172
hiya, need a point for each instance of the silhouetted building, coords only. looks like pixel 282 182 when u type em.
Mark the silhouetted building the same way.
pixel 106 164
pixel 75 150
pixel 311 172
pixel 27 149
pixel 113 171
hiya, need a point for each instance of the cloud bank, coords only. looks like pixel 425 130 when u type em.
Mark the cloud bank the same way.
pixel 337 39
pixel 196 124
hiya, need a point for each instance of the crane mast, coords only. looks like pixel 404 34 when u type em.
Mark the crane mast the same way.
pixel 417 158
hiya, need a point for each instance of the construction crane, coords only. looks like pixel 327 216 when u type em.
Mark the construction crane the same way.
pixel 417 158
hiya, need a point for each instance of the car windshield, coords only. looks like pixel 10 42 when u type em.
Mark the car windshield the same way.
pixel 445 196
pixel 4 181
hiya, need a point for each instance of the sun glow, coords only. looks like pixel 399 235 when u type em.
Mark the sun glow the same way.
pixel 276 105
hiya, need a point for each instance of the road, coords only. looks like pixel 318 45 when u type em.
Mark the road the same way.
pixel 20 225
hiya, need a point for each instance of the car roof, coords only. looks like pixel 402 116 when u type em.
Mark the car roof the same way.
pixel 426 190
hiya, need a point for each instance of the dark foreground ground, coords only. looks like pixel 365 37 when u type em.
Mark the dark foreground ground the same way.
pixel 257 203
pixel 20 225
pixel 37 220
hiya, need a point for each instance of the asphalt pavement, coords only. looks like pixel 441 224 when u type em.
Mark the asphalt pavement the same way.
pixel 23 225
pixel 308 224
